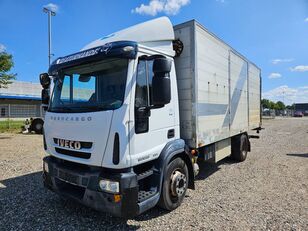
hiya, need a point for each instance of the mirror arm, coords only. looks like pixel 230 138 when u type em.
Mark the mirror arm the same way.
pixel 144 110
pixel 147 108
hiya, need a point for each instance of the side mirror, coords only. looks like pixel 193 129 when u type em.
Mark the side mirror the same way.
pixel 162 65
pixel 161 87
pixel 45 96
pixel 84 78
pixel 45 80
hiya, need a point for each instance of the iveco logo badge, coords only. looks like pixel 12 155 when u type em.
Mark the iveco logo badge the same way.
pixel 69 144
pixel 71 118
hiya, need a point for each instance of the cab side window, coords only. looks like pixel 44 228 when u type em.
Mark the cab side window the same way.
pixel 143 95
pixel 150 78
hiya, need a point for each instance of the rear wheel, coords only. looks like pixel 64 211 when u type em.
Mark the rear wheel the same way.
pixel 174 185
pixel 239 147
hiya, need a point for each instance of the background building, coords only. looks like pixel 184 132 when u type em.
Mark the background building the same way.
pixel 20 100
pixel 302 107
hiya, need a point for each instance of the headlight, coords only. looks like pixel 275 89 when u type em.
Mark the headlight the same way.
pixel 109 186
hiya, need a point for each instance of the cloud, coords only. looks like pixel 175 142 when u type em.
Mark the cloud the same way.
pixel 300 68
pixel 277 61
pixel 152 9
pixel 53 7
pixel 287 94
pixel 221 1
pixel 306 19
pixel 169 7
pixel 274 75
pixel 2 48
pixel 173 7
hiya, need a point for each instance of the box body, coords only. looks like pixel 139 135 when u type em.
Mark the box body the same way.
pixel 219 89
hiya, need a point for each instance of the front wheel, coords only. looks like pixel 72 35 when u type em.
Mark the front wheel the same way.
pixel 174 185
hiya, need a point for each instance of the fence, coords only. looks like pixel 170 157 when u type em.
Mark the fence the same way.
pixel 272 113
pixel 20 111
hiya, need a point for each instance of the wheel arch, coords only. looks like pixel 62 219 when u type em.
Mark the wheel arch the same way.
pixel 172 150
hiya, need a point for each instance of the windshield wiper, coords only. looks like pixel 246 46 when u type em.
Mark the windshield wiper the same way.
pixel 82 108
pixel 60 109
pixel 97 107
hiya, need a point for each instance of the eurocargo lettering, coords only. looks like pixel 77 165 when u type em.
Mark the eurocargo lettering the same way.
pixel 131 113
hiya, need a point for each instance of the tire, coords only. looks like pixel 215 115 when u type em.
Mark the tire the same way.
pixel 174 185
pixel 37 126
pixel 239 147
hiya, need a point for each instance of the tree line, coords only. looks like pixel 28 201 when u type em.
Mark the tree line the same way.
pixel 6 64
pixel 279 105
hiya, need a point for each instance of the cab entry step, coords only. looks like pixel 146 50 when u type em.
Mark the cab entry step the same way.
pixel 144 174
pixel 143 195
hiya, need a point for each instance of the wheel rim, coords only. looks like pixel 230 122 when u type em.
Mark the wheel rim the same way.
pixel 178 183
pixel 38 127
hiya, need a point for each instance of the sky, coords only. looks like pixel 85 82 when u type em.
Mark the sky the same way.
pixel 272 34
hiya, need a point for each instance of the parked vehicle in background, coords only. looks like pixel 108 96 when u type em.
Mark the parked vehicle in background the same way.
pixel 298 114
pixel 302 107
pixel 132 113
pixel 36 125
pixel 269 112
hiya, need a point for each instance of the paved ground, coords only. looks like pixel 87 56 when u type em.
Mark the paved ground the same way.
pixel 266 192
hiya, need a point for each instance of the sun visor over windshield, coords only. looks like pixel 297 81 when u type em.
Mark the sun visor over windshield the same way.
pixel 120 49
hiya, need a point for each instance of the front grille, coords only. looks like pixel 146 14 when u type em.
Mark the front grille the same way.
pixel 83 144
pixel 83 155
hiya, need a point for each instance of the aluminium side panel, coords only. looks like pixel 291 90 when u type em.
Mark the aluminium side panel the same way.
pixel 212 88
pixel 185 72
pixel 254 96
pixel 239 94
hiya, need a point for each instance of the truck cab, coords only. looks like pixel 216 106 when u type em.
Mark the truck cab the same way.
pixel 112 123
pixel 132 113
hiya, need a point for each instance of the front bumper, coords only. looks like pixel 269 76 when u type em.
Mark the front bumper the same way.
pixel 81 183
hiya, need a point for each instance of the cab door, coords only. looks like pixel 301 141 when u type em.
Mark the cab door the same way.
pixel 151 129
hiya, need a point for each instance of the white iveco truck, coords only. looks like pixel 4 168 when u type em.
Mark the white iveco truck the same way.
pixel 132 112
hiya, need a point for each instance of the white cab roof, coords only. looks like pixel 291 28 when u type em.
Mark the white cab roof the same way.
pixel 157 34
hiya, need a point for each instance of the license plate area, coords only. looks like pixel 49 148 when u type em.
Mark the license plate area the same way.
pixel 68 177
pixel 71 178
pixel 69 189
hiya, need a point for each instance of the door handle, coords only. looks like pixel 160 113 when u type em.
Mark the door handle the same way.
pixel 170 133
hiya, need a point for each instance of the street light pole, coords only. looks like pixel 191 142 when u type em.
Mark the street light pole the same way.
pixel 283 96
pixel 50 13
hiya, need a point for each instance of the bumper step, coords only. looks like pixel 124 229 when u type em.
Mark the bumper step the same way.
pixel 144 195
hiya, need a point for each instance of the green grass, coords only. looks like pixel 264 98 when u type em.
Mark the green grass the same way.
pixel 11 126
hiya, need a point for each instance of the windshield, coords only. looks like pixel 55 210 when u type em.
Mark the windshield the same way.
pixel 92 87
